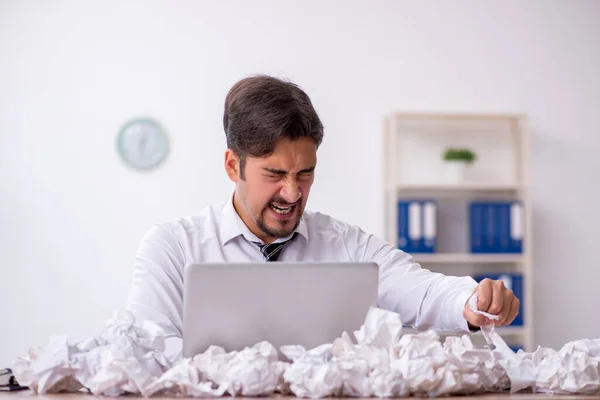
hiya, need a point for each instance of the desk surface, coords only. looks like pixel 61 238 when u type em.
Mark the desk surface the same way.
pixel 27 394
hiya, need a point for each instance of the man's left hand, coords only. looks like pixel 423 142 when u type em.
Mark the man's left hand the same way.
pixel 493 298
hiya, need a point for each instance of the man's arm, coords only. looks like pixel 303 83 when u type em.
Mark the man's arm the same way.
pixel 157 289
pixel 424 299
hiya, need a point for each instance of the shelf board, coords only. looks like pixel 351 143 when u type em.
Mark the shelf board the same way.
pixel 469 117
pixel 467 258
pixel 462 187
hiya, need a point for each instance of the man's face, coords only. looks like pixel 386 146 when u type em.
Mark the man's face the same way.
pixel 272 197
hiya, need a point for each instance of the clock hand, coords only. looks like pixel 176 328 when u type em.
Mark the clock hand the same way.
pixel 143 142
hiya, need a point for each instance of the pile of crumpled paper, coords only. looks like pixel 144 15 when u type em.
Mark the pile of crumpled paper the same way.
pixel 128 357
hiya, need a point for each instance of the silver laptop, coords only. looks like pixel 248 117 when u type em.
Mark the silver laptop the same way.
pixel 236 305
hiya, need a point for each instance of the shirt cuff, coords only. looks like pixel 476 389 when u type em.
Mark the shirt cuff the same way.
pixel 461 302
pixel 174 349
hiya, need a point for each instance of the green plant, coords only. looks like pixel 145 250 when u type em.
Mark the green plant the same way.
pixel 466 155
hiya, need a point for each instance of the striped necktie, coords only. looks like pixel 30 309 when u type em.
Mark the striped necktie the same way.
pixel 273 250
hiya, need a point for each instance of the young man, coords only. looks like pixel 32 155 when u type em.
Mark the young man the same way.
pixel 273 134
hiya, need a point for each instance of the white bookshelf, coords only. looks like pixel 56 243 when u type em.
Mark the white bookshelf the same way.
pixel 413 168
pixel 456 188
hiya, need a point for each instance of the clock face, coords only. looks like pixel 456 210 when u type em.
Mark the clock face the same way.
pixel 143 144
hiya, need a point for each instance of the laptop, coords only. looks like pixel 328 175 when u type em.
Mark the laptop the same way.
pixel 236 305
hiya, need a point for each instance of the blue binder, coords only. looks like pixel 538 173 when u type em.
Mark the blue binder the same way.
pixel 489 217
pixel 483 227
pixel 496 227
pixel 417 226
pixel 517 227
pixel 476 223
pixel 513 281
pixel 429 224
pixel 516 348
pixel 403 243
pixel 503 226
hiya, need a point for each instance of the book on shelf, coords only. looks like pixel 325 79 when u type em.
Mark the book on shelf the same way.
pixel 496 227
pixel 417 226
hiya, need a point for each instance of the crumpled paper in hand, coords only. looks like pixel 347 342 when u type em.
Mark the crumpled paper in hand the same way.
pixel 575 369
pixel 376 360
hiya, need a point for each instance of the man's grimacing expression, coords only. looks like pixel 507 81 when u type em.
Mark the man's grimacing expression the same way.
pixel 272 196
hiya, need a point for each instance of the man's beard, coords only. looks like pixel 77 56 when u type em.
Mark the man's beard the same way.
pixel 277 233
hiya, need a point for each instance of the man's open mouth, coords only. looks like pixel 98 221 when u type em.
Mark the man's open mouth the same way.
pixel 282 210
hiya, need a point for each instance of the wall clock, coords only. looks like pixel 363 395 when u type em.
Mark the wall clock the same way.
pixel 142 143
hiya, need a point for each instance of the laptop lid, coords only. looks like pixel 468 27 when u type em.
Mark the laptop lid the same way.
pixel 236 305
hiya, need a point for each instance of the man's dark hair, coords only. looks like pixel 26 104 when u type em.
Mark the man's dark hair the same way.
pixel 259 110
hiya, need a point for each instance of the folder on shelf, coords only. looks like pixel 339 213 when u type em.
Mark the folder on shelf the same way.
pixel 476 222
pixel 483 227
pixel 517 227
pixel 429 216
pixel 417 229
pixel 503 227
pixel 496 227
pixel 402 228
pixel 414 226
pixel 516 348
pixel 513 281
pixel 489 217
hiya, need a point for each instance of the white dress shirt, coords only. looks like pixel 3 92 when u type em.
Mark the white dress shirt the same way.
pixel 423 299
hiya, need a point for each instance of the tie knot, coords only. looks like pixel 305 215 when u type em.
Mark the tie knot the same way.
pixel 272 251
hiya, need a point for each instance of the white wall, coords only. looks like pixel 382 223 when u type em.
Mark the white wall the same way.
pixel 72 72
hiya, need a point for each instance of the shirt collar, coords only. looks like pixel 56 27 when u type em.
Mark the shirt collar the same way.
pixel 232 226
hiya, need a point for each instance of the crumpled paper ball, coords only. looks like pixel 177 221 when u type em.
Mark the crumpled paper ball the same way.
pixel 384 363
pixel 254 371
pixel 378 361
pixel 125 358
